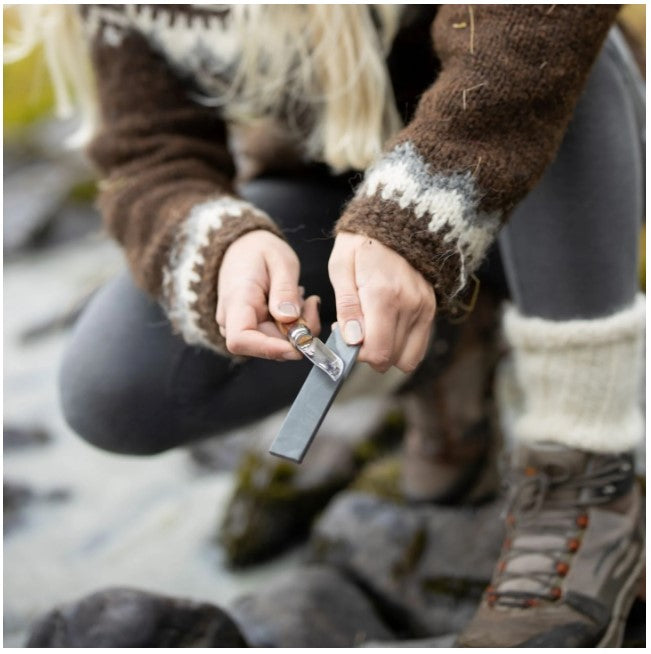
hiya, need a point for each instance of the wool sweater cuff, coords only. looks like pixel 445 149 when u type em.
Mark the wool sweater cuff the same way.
pixel 432 219
pixel 189 290
pixel 577 382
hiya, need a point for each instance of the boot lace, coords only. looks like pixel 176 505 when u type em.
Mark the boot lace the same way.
pixel 545 517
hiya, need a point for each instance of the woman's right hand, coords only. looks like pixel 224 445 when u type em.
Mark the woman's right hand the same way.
pixel 258 282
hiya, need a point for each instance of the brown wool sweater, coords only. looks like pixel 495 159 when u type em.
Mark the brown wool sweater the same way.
pixel 478 136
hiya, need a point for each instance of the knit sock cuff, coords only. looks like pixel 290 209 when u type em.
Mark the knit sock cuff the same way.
pixel 578 382
pixel 189 291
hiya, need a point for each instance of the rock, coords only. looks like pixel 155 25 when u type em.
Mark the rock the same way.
pixel 274 501
pixel 368 424
pixel 32 196
pixel 64 317
pixel 124 617
pixel 426 566
pixel 18 438
pixel 438 641
pixel 312 606
pixel 73 221
pixel 16 497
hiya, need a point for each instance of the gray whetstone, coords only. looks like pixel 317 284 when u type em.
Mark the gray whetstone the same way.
pixel 312 403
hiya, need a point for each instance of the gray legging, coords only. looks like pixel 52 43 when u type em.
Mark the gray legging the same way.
pixel 129 385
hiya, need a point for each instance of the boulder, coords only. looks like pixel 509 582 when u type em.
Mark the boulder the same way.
pixel 124 617
pixel 424 565
pixel 313 606
pixel 275 501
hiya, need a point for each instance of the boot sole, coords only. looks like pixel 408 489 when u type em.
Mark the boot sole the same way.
pixel 614 635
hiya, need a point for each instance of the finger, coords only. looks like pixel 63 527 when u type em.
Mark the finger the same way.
pixel 269 328
pixel 284 295
pixel 349 309
pixel 244 338
pixel 415 347
pixel 381 322
pixel 311 314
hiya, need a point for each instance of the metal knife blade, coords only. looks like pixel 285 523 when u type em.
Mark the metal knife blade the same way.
pixel 312 403
pixel 300 336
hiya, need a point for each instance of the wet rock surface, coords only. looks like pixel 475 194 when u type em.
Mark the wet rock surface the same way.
pixel 314 606
pixel 17 497
pixel 124 617
pixel 16 437
pixel 421 564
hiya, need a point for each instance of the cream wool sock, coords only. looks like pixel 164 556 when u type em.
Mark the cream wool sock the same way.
pixel 578 381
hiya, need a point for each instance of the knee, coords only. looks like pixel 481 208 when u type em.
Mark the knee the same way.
pixel 110 412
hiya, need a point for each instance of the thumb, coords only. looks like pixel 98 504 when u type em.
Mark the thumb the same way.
pixel 349 309
pixel 284 293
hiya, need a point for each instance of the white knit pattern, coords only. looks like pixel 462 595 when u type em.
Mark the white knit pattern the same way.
pixel 180 272
pixel 447 202
pixel 578 382
pixel 202 45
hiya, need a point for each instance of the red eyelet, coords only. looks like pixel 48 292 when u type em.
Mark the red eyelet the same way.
pixel 582 521
pixel 573 544
pixel 562 568
pixel 555 593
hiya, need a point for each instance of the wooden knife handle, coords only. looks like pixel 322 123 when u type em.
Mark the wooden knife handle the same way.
pixel 297 338
pixel 286 327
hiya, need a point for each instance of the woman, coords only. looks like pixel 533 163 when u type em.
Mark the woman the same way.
pixel 486 94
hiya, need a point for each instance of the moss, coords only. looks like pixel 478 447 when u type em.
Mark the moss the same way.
pixel 384 439
pixel 267 511
pixel 381 478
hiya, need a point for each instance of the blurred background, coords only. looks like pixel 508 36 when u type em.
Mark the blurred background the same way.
pixel 76 519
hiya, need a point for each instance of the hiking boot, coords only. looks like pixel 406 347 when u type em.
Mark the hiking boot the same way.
pixel 451 438
pixel 573 554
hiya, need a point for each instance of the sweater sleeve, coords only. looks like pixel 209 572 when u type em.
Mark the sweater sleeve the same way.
pixel 482 134
pixel 166 193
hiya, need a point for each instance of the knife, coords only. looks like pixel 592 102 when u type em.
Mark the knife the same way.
pixel 312 348
pixel 313 401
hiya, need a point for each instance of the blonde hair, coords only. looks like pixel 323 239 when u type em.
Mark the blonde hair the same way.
pixel 319 68
pixel 58 29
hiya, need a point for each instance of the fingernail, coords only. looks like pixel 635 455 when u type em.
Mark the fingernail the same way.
pixel 288 309
pixel 352 332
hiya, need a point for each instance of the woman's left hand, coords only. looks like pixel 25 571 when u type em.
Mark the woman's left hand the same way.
pixel 382 302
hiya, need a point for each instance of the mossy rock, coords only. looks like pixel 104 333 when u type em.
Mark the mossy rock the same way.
pixel 274 502
pixel 381 478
